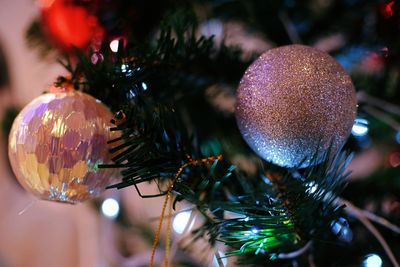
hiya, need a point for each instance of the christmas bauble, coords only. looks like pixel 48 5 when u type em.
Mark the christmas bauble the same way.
pixel 69 25
pixel 57 143
pixel 294 101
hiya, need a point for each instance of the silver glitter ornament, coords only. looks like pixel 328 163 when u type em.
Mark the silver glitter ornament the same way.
pixel 294 101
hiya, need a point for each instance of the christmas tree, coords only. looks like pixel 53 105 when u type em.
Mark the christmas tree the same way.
pixel 246 113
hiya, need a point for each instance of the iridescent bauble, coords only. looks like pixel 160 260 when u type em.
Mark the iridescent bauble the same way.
pixel 293 103
pixel 57 143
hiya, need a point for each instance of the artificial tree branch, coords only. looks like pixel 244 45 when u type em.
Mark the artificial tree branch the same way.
pixel 363 97
pixel 295 254
pixel 360 215
pixel 290 28
pixel 371 216
pixel 382 221
pixel 381 115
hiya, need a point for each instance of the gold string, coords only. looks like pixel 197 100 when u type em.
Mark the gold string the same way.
pixel 157 235
pixel 168 237
pixel 167 198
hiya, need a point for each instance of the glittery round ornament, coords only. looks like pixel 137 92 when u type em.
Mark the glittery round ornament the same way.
pixel 56 144
pixel 294 101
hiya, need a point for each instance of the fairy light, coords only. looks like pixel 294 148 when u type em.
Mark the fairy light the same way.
pixel 398 137
pixel 124 67
pixel 360 127
pixel 311 187
pixel 114 45
pixel 372 260
pixel 110 208
pixel 254 230
pixel 180 221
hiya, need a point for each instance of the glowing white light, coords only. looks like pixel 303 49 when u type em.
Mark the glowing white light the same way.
pixel 254 230
pixel 180 221
pixel 311 187
pixel 222 258
pixel 398 137
pixel 110 208
pixel 360 127
pixel 212 27
pixel 114 45
pixel 246 219
pixel 144 86
pixel 372 260
pixel 131 94
pixel 124 67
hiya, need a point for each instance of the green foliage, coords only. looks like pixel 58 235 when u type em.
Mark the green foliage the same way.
pixel 161 85
pixel 36 38
pixel 167 125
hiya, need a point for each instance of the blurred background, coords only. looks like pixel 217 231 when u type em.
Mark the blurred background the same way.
pixel 117 229
pixel 42 233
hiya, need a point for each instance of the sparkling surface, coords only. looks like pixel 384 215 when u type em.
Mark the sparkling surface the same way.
pixel 292 101
pixel 56 144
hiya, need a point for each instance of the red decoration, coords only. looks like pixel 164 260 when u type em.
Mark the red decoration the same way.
pixel 387 10
pixel 394 159
pixel 373 63
pixel 68 24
